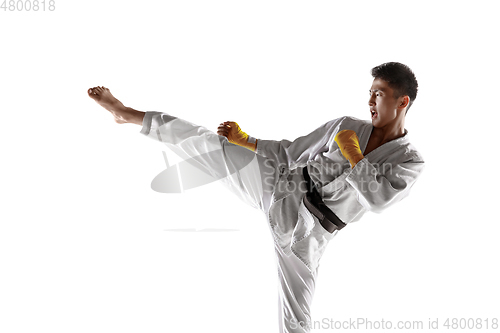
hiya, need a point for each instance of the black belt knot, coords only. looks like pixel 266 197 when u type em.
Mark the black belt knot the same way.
pixel 314 203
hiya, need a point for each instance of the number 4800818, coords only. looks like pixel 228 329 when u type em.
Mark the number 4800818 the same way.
pixel 28 5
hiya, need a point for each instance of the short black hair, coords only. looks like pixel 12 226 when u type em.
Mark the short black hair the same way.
pixel 400 78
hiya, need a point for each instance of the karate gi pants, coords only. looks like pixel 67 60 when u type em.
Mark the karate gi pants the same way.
pixel 252 178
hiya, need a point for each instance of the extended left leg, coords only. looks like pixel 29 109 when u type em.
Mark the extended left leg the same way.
pixel 122 114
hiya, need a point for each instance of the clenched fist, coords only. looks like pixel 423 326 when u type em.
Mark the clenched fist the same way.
pixel 349 146
pixel 232 131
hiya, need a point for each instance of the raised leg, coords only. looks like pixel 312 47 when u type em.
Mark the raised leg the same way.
pixel 120 112
pixel 250 176
pixel 246 174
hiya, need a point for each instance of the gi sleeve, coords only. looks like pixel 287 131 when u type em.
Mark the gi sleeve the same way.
pixel 302 149
pixel 380 186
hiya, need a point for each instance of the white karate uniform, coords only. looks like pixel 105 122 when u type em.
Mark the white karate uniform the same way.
pixel 271 180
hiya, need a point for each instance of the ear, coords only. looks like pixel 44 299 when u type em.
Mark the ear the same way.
pixel 403 101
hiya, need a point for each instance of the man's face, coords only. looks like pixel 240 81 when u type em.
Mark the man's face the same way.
pixel 383 105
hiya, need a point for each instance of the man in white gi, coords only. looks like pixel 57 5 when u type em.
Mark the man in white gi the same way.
pixel 310 188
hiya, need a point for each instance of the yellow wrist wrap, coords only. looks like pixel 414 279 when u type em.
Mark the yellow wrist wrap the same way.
pixel 240 138
pixel 349 146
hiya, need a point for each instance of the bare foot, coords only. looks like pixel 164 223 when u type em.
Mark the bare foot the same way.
pixel 104 98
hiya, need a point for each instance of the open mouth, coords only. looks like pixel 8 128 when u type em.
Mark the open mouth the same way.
pixel 374 114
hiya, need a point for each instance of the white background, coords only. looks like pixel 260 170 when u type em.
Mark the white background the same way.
pixel 83 239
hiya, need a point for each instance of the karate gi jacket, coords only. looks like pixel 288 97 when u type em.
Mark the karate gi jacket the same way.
pixel 382 178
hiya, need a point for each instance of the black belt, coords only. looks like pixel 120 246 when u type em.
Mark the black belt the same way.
pixel 313 202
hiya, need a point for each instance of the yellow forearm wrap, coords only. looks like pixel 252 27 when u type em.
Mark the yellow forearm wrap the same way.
pixel 240 138
pixel 349 146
